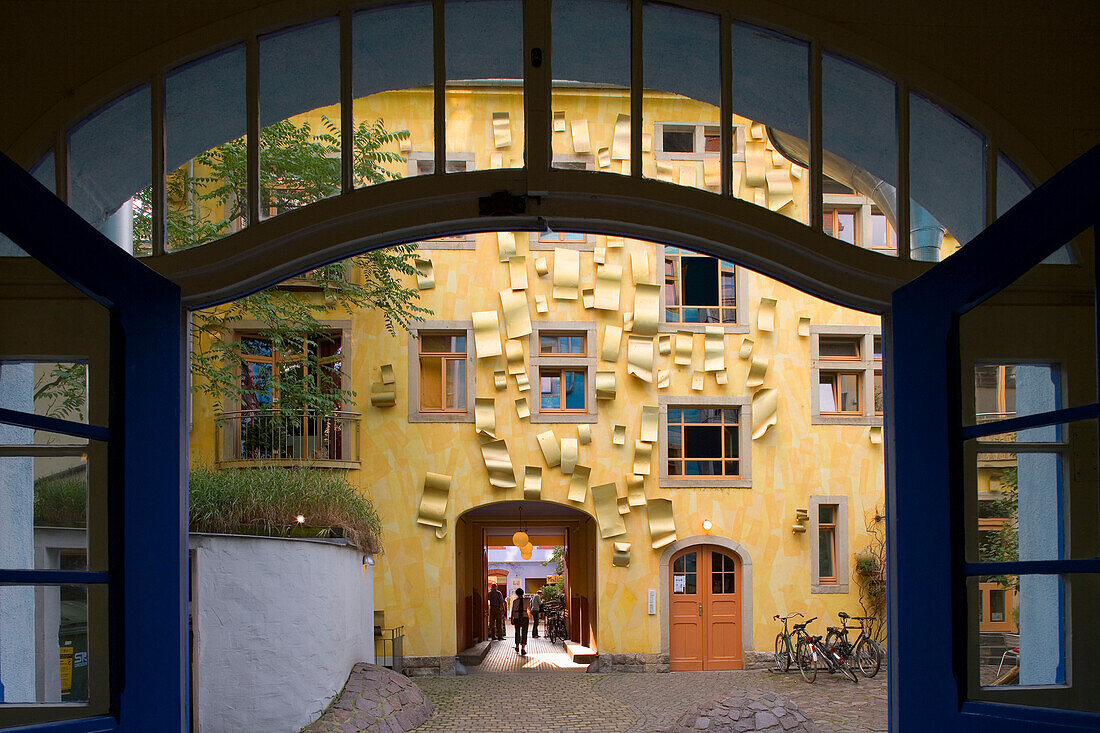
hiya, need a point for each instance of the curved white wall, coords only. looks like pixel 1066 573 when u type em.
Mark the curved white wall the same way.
pixel 278 625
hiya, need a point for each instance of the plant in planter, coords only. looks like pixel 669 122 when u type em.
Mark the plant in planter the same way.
pixel 871 570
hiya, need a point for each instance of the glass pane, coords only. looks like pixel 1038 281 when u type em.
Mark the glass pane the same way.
pixel 689 586
pixel 205 120
pixel 45 516
pixel 826 393
pixel 550 392
pixel 678 565
pixel 46 650
pixel 731 442
pixel 849 392
pixel 826 513
pixel 703 441
pixel 674 442
pixel 859 137
pixel 690 559
pixel 591 87
pixel 485 81
pixel 574 390
pixel 879 400
pixel 431 383
pixel 442 344
pixel 299 116
pixel 728 583
pixel 1021 626
pixel 456 384
pixel 702 468
pixel 838 348
pixel 110 161
pixel 681 91
pixel 947 180
pixel 771 104
pixel 825 568
pixel 392 84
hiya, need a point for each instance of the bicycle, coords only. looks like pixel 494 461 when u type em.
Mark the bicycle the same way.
pixel 784 644
pixel 810 650
pixel 867 652
pixel 556 626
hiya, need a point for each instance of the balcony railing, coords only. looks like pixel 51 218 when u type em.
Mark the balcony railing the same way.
pixel 272 437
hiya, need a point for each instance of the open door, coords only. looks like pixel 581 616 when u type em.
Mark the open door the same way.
pixel 83 322
pixel 993 431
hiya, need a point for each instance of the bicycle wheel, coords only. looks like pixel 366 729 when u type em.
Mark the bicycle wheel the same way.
pixel 782 656
pixel 869 657
pixel 846 667
pixel 807 664
pixel 832 640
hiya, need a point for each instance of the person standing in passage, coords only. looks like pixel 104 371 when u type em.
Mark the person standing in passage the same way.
pixel 520 612
pixel 496 614
pixel 536 606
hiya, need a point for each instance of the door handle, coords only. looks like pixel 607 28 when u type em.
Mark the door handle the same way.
pixel 700 608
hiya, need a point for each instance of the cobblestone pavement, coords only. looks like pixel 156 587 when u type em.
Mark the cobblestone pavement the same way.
pixel 644 702
pixel 542 656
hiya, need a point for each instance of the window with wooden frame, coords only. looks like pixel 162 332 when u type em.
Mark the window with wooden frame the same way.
pixel 994 392
pixel 272 372
pixel 846 374
pixel 442 373
pixel 686 141
pixel 842 222
pixel 883 236
pixel 563 364
pixel 826 543
pixel 551 237
pixel 853 218
pixel 703 442
pixel 698 288
pixel 829 571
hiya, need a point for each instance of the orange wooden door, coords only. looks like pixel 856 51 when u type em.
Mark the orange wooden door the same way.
pixel 722 611
pixel 705 610
pixel 685 610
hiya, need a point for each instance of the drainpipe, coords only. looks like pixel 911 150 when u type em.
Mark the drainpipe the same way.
pixel 926 234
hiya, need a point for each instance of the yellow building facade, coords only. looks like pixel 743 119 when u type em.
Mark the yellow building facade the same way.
pixel 634 362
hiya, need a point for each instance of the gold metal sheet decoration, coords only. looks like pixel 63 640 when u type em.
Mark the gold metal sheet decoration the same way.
pixel 606 501
pixel 433 500
pixel 523 410
pixel 517 272
pixel 712 173
pixel 603 158
pixel 796 172
pixel 757 369
pixel 721 377
pixel 664 171
pixel 765 403
pixel 804 326
pixel 383 395
pixel 425 273
pixel 532 483
pixel 551 448
pixel 714 349
pixel 635 490
pixel 664 344
pixel 765 315
pixel 643 457
pixel 685 344
pixel 496 160
pixel 441 531
pixel 647 142
pixel 541 306
pixel 614 242
pixel 567 273
pixel 651 415
pixel 620 557
pixel 405 145
pixel 628 321
pixel 605 385
pixel 738 173
pixel 581 141
pixel 599 254
pixel 584 433
pixel 647 308
pixel 541 267
pixel 756 131
pixel 502 130
pixel 624 507
pixel 387 373
pixel 608 281
pixel 559 120
pixel 612 339
pixel 689 175
pixel 662 524
pixel 760 197
pixel 517 315
pixel 620 144
pixel 500 379
pixel 618 435
pixel 578 484
pixel 639 265
pixel 486 334
pixel 513 353
pixel 755 166
pixel 780 189
pixel 664 377
pixel 569 452
pixel 778 159
pixel 499 464
pixel 523 382
pixel 485 416
pixel 639 357
pixel 746 348
pixel 588 297
pixel 697 381
pixel 506 245
pixel 875 435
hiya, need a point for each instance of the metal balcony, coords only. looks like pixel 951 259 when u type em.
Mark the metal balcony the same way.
pixel 270 437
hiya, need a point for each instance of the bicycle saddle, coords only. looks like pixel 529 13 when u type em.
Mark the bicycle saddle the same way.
pixel 844 615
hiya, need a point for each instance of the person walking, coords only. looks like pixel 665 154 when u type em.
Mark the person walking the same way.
pixel 520 612
pixel 496 613
pixel 536 606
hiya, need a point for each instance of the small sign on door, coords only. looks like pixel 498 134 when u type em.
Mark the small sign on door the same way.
pixel 679 582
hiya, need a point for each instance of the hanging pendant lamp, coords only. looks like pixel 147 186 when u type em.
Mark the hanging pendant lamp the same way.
pixel 520 538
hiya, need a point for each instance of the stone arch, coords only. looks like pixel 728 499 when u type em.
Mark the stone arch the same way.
pixel 746 583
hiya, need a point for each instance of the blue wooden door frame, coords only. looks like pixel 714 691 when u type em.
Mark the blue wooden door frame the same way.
pixel 147 500
pixel 925 437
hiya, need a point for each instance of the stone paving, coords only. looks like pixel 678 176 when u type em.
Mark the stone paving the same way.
pixel 542 656
pixel 646 702
pixel 374 700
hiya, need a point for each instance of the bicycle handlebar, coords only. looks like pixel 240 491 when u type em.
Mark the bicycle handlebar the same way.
pixel 777 617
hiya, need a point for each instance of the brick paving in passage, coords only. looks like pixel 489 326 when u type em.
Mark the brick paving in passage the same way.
pixel 542 656
pixel 556 701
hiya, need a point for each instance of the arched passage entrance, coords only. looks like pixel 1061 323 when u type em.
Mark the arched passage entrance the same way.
pixel 548 524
